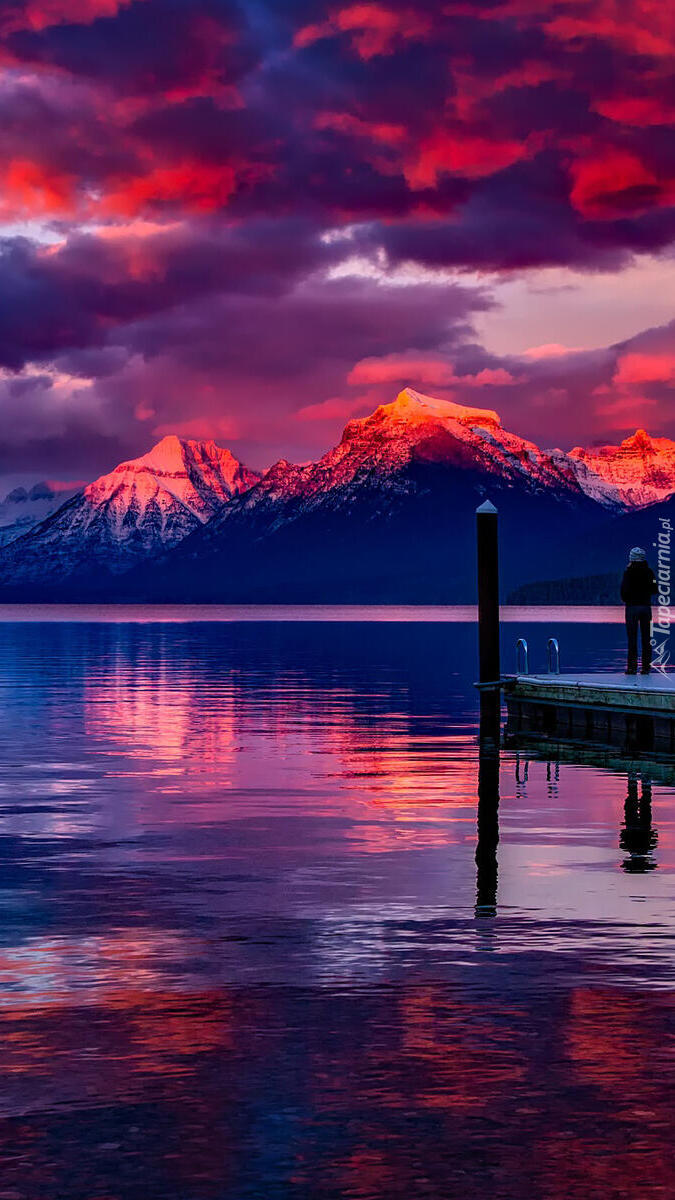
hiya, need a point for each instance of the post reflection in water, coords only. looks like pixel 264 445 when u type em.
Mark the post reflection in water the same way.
pixel 488 807
pixel 238 952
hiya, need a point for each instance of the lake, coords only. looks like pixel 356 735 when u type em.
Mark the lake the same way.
pixel 247 950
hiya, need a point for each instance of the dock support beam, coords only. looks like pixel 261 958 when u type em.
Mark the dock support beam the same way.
pixel 487 539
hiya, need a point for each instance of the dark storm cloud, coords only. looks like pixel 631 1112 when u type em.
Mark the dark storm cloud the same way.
pixel 521 219
pixel 190 154
pixel 200 127
pixel 146 47
pixel 282 358
pixel 335 321
pixel 58 128
pixel 172 332
pixel 75 295
pixel 75 450
pixel 351 112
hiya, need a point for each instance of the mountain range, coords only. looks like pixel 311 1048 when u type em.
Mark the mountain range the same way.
pixel 384 516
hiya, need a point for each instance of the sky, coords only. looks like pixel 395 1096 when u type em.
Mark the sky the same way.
pixel 251 220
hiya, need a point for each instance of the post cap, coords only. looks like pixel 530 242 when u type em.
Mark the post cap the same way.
pixel 487 507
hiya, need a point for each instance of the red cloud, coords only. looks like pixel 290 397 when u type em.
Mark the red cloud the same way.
pixel 32 190
pixel 41 14
pixel 336 409
pixel 639 26
pixel 640 367
pixel 637 110
pixel 429 370
pixel 375 29
pixel 644 27
pixel 435 372
pixel 190 186
pixel 625 412
pixel 614 183
pixel 356 127
pixel 312 33
pixel 472 90
pixel 471 156
pixel 489 377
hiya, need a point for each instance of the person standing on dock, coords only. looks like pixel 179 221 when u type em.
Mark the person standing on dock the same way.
pixel 637 588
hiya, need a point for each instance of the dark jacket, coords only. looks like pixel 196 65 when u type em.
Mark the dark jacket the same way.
pixel 638 584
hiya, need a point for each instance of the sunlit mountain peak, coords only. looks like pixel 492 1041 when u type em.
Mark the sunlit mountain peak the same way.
pixel 414 405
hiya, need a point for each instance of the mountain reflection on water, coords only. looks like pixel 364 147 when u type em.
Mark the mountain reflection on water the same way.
pixel 250 947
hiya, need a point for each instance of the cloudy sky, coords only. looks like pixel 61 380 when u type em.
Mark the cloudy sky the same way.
pixel 253 219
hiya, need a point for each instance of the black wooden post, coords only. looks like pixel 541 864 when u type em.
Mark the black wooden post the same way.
pixel 487 538
pixel 487 535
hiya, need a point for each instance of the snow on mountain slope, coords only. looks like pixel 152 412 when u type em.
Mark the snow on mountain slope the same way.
pixel 23 508
pixel 141 508
pixel 639 472
pixel 175 485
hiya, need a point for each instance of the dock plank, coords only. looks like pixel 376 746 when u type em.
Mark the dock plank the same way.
pixel 645 693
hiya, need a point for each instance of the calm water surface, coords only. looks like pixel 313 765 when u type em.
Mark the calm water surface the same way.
pixel 246 948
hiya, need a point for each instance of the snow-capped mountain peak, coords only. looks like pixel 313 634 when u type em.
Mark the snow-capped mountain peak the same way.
pixel 412 431
pixel 415 427
pixel 142 508
pixel 415 408
pixel 638 472
pixel 199 476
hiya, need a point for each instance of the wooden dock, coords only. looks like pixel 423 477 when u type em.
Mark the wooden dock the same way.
pixel 653 693
pixel 636 713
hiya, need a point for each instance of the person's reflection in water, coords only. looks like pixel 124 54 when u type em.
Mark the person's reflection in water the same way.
pixel 638 837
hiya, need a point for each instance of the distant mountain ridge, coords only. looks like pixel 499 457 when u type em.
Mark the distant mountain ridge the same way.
pixel 22 508
pixel 639 472
pixel 386 515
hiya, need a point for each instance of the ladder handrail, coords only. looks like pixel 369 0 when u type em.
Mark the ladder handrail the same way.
pixel 553 650
pixel 522 650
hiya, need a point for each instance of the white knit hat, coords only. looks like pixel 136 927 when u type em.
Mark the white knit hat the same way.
pixel 637 554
